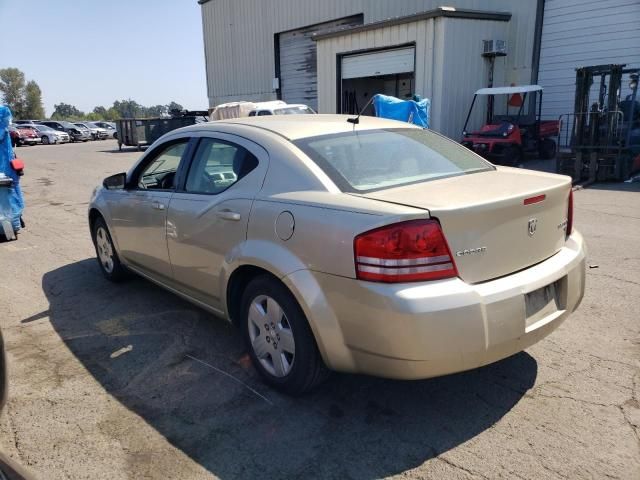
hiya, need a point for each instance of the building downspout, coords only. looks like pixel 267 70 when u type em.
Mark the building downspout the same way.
pixel 433 67
pixel 206 61
pixel 537 47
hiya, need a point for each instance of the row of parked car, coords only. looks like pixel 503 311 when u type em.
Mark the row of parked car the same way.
pixel 46 132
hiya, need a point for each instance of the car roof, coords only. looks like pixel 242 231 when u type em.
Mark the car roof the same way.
pixel 294 127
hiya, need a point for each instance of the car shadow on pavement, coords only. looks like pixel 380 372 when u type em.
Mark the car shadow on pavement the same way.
pixel 186 374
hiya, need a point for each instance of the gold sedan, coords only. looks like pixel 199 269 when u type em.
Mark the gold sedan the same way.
pixel 377 247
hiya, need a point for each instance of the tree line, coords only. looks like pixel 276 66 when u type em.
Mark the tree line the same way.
pixel 23 98
pixel 120 109
pixel 25 101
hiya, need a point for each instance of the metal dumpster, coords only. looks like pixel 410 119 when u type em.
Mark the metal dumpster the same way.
pixel 139 132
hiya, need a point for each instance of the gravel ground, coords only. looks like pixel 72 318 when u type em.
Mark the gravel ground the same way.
pixel 128 381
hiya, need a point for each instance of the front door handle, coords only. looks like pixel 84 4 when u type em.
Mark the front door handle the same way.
pixel 158 205
pixel 228 215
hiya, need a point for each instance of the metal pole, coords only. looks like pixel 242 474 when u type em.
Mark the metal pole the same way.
pixel 464 129
pixel 631 112
pixel 540 116
pixel 492 61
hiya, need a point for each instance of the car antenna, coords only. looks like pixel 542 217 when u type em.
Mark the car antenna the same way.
pixel 356 120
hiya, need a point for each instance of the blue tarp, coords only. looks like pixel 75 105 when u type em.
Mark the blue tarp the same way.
pixel 6 155
pixel 413 111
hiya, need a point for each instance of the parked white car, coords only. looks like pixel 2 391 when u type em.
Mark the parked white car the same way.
pixel 97 133
pixel 109 127
pixel 286 109
pixel 257 109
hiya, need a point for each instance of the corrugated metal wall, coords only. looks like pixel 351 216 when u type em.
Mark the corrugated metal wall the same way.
pixel 448 68
pixel 459 77
pixel 578 33
pixel 239 36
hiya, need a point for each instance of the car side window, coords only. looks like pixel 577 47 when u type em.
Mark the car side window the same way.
pixel 252 113
pixel 160 172
pixel 264 112
pixel 217 165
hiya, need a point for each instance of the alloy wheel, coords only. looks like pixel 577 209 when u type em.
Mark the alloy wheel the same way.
pixel 105 249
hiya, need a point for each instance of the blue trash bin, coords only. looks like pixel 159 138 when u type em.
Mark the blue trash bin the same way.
pixel 6 212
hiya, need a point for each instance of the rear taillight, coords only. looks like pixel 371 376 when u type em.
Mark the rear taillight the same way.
pixel 570 214
pixel 410 251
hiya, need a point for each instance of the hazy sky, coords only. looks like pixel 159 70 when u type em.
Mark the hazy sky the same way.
pixel 92 52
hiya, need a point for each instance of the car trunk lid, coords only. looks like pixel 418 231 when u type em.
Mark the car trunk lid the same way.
pixel 495 222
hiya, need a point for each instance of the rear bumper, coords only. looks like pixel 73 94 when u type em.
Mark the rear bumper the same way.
pixel 421 330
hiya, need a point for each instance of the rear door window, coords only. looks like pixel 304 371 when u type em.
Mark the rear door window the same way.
pixel 217 165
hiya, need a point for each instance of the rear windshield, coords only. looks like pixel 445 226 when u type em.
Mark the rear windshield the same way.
pixel 364 161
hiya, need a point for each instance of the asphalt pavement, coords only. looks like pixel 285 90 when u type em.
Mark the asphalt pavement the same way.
pixel 130 382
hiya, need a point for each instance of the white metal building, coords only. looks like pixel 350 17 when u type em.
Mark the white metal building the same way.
pixel 263 50
pixel 334 54
pixel 578 33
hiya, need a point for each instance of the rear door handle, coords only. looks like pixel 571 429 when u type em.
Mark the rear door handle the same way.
pixel 158 205
pixel 228 215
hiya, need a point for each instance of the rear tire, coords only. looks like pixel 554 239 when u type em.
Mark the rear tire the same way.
pixel 45 140
pixel 547 149
pixel 279 339
pixel 106 253
pixel 512 156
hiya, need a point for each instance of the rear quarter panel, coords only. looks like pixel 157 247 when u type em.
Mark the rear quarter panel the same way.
pixel 325 225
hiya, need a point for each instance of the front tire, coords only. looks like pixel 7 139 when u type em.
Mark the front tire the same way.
pixel 279 339
pixel 547 149
pixel 106 253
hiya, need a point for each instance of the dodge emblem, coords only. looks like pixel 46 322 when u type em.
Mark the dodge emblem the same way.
pixel 533 223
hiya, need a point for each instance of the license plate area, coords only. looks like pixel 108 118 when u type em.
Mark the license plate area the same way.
pixel 543 302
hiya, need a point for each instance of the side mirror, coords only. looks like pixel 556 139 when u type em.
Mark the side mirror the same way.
pixel 115 182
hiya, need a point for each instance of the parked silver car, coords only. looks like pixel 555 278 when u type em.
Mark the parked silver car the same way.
pixel 51 136
pixel 374 247
pixel 76 134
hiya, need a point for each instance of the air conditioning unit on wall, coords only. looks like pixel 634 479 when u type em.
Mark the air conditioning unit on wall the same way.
pixel 494 48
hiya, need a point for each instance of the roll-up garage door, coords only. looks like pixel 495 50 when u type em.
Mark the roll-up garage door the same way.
pixel 298 67
pixel 385 62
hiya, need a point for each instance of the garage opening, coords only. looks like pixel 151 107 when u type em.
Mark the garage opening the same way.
pixel 296 62
pixel 362 75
